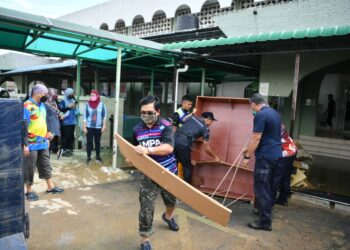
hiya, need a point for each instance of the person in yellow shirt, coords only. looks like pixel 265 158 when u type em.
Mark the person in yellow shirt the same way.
pixel 36 147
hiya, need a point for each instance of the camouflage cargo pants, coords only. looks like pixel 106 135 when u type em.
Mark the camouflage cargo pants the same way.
pixel 147 196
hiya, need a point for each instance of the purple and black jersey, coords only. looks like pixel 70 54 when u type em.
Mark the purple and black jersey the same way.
pixel 160 133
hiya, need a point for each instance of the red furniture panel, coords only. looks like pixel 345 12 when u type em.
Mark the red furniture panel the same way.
pixel 228 136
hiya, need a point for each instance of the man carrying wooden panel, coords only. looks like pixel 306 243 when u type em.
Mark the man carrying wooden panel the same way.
pixel 154 137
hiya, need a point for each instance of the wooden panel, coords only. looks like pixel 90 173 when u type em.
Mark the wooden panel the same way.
pixel 208 175
pixel 232 130
pixel 228 136
pixel 200 202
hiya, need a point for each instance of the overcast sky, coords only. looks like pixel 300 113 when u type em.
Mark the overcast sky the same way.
pixel 48 8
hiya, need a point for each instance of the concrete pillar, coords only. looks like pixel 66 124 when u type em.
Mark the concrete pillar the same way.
pixel 97 84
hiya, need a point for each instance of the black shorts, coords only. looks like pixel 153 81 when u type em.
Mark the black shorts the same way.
pixel 41 159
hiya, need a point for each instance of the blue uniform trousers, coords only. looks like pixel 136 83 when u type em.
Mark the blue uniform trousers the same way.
pixel 263 187
pixel 282 178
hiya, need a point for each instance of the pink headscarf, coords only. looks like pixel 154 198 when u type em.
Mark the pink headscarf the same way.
pixel 94 103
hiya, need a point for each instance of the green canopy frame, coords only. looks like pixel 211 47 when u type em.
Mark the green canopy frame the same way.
pixel 43 36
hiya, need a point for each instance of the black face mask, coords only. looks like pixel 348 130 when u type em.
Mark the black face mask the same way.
pixel 71 97
pixel 43 98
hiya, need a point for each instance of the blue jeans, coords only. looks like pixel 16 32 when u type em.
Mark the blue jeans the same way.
pixel 263 184
pixel 282 178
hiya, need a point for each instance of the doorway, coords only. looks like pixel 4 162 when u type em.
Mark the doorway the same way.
pixel 344 110
pixel 338 86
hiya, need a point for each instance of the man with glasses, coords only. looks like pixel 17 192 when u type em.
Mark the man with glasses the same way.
pixel 154 137
pixel 192 129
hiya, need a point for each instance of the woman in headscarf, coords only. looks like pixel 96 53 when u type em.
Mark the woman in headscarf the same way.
pixel 94 124
pixel 68 121
pixel 52 120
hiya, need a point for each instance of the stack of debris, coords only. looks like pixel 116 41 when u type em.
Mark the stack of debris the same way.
pixel 301 165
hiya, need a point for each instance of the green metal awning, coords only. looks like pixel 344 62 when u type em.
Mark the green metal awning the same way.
pixel 43 36
pixel 262 37
pixel 50 37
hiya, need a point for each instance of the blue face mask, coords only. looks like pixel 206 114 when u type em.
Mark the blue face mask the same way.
pixel 253 112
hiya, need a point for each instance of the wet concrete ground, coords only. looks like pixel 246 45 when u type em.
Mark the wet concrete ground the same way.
pixel 99 210
pixel 330 175
pixel 73 171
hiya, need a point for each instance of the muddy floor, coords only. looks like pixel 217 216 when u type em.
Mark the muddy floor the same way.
pixel 99 210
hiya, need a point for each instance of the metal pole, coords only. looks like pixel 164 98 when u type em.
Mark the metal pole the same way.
pixel 166 86
pixel 152 82
pixel 78 83
pixel 213 89
pixel 174 85
pixel 24 82
pixel 295 93
pixel 116 108
pixel 203 82
pixel 176 89
pixel 77 94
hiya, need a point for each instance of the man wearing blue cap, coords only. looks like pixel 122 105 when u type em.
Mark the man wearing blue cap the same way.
pixel 194 128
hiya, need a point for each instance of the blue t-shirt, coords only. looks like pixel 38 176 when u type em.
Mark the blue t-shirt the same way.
pixel 69 113
pixel 160 133
pixel 268 122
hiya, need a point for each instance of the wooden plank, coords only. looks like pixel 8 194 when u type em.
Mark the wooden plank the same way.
pixel 200 202
pixel 298 177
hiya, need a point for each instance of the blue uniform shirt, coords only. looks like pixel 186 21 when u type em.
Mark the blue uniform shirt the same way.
pixel 192 129
pixel 268 122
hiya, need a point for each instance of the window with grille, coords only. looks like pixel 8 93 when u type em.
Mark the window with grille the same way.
pixel 120 27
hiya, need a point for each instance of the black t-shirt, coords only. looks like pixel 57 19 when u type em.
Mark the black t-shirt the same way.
pixel 331 108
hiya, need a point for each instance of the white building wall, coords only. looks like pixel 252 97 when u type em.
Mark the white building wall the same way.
pixel 231 89
pixel 111 11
